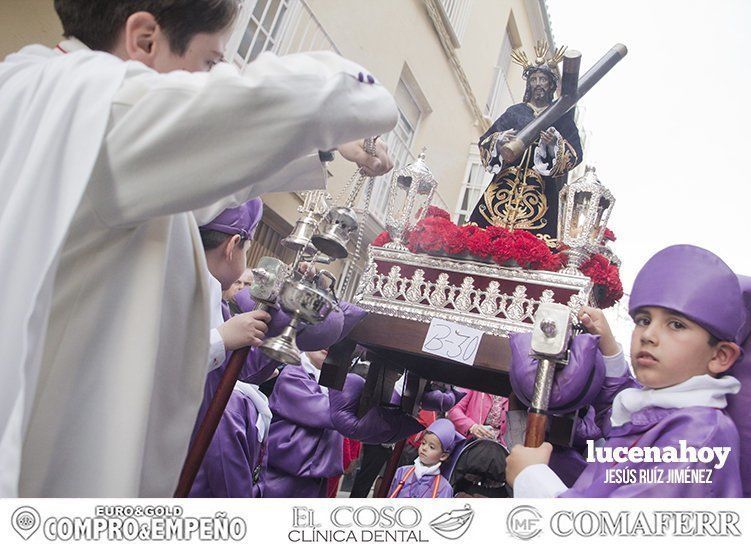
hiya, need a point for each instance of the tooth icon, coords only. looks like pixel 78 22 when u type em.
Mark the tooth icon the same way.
pixel 453 524
pixel 25 521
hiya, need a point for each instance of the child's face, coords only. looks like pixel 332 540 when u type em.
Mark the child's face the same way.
pixel 431 451
pixel 667 348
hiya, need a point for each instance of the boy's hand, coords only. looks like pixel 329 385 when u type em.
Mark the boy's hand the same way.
pixel 522 457
pixel 481 432
pixel 595 322
pixel 373 166
pixel 246 329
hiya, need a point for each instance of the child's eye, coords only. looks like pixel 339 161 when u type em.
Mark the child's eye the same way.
pixel 641 320
pixel 677 325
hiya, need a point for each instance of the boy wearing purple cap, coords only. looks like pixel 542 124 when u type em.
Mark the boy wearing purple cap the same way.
pixel 226 240
pixel 233 459
pixel 423 479
pixel 671 437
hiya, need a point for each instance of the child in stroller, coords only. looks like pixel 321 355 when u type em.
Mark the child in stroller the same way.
pixel 477 468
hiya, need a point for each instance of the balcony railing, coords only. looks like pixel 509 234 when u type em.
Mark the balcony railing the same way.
pixel 302 31
pixel 455 14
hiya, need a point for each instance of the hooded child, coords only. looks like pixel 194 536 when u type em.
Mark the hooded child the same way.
pixel 688 314
pixel 423 478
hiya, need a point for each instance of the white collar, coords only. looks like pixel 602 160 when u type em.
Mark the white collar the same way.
pixel 701 390
pixel 311 369
pixel 261 402
pixel 69 45
pixel 421 470
pixel 215 295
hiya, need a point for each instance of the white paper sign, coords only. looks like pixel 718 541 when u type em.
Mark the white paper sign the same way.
pixel 452 341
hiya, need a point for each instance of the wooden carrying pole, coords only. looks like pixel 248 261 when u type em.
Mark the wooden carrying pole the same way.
pixel 513 149
pixel 206 430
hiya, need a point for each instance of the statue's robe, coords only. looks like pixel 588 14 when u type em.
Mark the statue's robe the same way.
pixel 524 194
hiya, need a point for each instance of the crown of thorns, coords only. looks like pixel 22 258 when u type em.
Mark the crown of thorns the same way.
pixel 541 63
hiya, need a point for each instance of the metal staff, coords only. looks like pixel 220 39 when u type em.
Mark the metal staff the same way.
pixel 571 93
pixel 550 340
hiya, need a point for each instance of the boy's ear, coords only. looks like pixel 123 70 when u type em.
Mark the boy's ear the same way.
pixel 232 244
pixel 725 356
pixel 444 456
pixel 140 36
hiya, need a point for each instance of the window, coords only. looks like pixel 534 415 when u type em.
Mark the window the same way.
pixel 412 107
pixel 476 179
pixel 500 96
pixel 281 26
pixel 259 28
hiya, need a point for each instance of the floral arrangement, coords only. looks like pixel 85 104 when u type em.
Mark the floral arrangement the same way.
pixel 436 234
pixel 608 287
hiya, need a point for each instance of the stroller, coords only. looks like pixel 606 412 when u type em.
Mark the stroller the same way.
pixel 477 468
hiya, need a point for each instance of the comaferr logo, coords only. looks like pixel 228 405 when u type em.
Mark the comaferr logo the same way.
pixel 589 523
pixel 524 522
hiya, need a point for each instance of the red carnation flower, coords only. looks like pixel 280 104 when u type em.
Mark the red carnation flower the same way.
pixel 608 287
pixel 435 211
pixel 382 239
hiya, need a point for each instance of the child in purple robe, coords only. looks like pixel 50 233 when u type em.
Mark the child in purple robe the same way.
pixel 423 479
pixel 233 460
pixel 689 319
pixel 305 449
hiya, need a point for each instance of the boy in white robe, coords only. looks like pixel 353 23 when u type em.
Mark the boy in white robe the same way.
pixel 101 163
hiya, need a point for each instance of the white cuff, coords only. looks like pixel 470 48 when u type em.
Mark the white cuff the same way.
pixel 538 482
pixel 216 350
pixel 615 365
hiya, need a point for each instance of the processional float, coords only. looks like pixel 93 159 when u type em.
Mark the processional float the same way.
pixel 407 293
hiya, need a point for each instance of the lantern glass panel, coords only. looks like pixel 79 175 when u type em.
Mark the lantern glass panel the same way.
pixel 579 213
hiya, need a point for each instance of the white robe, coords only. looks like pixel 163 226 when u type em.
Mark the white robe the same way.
pixel 124 358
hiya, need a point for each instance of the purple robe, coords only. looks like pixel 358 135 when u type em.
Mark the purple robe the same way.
pixel 234 454
pixel 419 489
pixel 304 448
pixel 699 426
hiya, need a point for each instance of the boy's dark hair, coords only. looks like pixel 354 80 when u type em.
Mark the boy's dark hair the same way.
pixel 98 23
pixel 212 239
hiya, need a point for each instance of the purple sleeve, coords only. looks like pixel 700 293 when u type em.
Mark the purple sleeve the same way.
pixel 257 368
pixel 435 400
pixel 378 425
pixel 227 461
pixel 298 398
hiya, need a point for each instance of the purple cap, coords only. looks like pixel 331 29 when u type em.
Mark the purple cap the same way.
pixel 446 433
pixel 241 220
pixel 694 282
pixel 738 404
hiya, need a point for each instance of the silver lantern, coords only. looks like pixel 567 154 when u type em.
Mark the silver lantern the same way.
pixel 314 207
pixel 305 300
pixel 411 186
pixel 584 209
pixel 268 277
pixel 342 223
